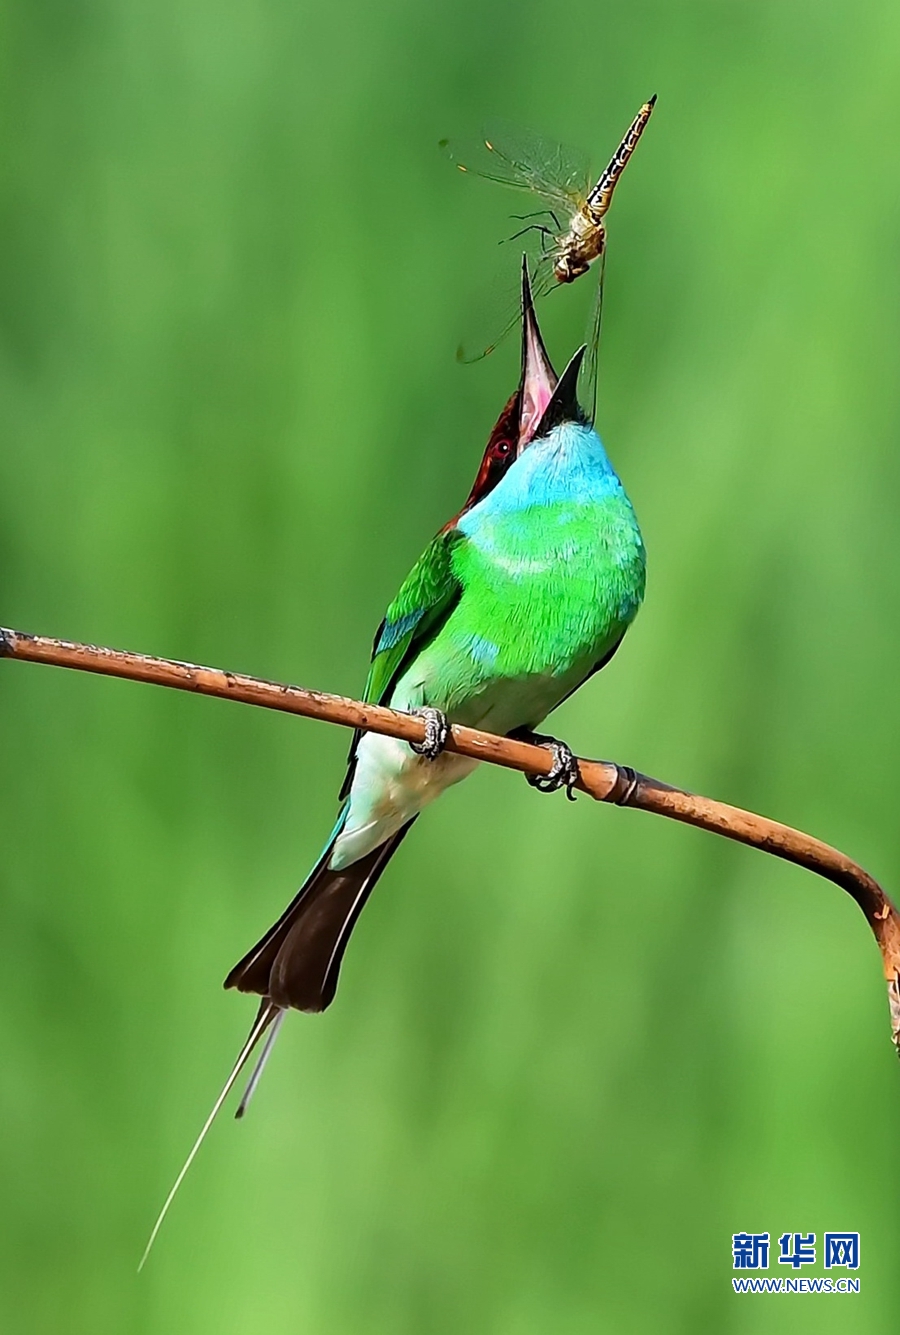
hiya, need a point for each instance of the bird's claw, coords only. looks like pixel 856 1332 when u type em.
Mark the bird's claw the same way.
pixel 437 730
pixel 563 772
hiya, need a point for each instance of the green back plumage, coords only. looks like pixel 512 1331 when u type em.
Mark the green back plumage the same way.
pixel 505 614
pixel 423 603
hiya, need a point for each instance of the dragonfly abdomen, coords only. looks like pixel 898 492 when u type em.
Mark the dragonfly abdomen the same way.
pixel 600 198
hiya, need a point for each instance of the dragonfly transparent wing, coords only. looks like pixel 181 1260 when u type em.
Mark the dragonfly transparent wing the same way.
pixel 523 161
pixel 505 312
pixel 590 369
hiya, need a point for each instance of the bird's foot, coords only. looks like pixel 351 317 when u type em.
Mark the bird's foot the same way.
pixel 437 730
pixel 564 770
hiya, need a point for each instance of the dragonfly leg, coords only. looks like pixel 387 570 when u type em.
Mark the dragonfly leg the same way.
pixel 532 227
pixel 540 213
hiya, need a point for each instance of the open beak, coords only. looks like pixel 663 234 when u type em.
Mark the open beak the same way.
pixel 540 401
pixel 563 405
pixel 539 379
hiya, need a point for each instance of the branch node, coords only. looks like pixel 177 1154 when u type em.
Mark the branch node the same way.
pixel 625 786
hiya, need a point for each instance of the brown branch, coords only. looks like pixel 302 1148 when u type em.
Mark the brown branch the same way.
pixel 603 780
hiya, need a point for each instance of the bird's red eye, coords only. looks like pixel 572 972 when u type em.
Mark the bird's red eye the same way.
pixel 502 448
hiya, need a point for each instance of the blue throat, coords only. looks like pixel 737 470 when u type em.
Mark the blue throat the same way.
pixel 570 464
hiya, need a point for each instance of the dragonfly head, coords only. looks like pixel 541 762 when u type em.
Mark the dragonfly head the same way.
pixel 569 265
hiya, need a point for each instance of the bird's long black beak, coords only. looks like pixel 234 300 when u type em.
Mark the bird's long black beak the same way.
pixel 564 405
pixel 539 380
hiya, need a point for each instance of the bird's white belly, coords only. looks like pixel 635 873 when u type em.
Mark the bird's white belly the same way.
pixel 390 786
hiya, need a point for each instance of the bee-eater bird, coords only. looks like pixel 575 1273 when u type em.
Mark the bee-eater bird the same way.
pixel 514 604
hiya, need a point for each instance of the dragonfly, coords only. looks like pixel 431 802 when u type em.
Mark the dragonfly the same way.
pixel 570 228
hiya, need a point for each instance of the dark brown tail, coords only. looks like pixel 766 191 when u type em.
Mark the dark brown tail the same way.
pixel 297 962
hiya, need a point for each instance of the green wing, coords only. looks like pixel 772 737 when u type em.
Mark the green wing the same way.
pixel 426 598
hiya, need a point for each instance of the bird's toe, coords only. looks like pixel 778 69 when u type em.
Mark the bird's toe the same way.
pixel 437 730
pixel 564 770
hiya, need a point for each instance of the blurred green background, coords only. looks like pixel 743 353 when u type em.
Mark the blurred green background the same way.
pixel 574 1048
